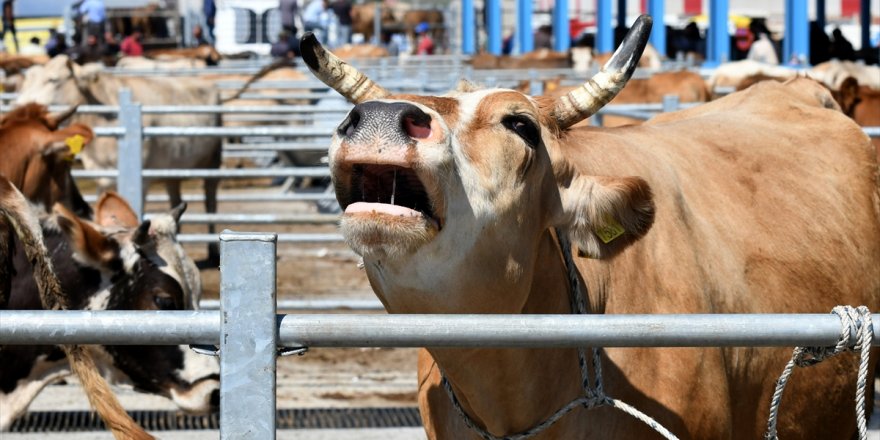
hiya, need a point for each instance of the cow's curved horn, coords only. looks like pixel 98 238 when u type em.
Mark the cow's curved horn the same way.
pixel 586 100
pixel 59 118
pixel 345 79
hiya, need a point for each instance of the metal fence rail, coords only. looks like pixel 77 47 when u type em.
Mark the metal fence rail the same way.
pixel 498 331
pixel 249 331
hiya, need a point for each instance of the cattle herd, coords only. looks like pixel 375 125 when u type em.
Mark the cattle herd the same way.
pixel 763 199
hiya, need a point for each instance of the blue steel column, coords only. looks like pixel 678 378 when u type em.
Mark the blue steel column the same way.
pixel 468 27
pixel 718 47
pixel 820 13
pixel 248 343
pixel 561 35
pixel 658 30
pixel 604 31
pixel 797 32
pixel 493 26
pixel 621 14
pixel 865 22
pixel 524 31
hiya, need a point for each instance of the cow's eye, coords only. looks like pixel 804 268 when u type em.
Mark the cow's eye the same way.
pixel 164 302
pixel 524 128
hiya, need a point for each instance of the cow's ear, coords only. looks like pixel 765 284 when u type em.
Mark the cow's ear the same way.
pixel 113 210
pixel 603 215
pixel 86 241
pixel 67 142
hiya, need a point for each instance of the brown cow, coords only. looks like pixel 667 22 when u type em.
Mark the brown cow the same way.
pixel 356 51
pixel 688 86
pixel 205 52
pixel 687 213
pixel 362 19
pixel 37 156
pixel 539 59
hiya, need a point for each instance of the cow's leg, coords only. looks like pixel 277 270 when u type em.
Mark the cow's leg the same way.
pixel 43 372
pixel 211 208
pixel 172 186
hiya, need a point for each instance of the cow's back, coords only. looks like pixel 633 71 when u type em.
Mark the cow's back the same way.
pixel 767 202
pixel 160 152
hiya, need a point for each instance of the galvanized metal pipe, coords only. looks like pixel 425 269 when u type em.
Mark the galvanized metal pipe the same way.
pixel 282 238
pixel 310 304
pixel 209 173
pixel 250 197
pixel 224 109
pixel 299 219
pixel 272 130
pixel 365 330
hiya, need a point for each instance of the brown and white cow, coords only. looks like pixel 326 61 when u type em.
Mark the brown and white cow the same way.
pixel 763 201
pixel 37 155
pixel 114 263
pixel 63 82
pixel 20 232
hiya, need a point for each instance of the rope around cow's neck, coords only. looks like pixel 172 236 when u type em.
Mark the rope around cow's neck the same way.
pixel 594 393
pixel 853 321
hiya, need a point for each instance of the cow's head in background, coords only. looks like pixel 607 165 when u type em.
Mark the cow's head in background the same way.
pixel 63 81
pixel 435 186
pixel 37 155
pixel 114 263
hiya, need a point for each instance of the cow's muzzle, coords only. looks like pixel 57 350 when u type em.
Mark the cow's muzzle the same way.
pixel 396 122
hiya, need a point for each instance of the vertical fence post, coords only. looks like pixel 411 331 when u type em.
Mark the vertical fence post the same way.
pixel 377 23
pixel 129 181
pixel 248 336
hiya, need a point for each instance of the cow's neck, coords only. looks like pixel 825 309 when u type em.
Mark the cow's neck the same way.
pixel 509 391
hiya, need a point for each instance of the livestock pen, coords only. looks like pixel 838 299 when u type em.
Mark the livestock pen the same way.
pixel 306 330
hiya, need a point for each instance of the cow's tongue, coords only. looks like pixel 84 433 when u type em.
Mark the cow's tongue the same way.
pixel 395 210
pixel 382 208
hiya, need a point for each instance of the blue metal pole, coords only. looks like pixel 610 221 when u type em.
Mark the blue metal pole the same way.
pixel 865 22
pixel 797 33
pixel 561 37
pixel 786 38
pixel 820 13
pixel 658 30
pixel 621 14
pixel 468 27
pixel 525 33
pixel 493 26
pixel 718 48
pixel 604 31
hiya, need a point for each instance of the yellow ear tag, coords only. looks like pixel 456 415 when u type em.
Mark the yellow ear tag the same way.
pixel 610 230
pixel 75 143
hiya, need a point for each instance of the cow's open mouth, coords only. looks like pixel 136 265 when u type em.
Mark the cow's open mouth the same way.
pixel 392 190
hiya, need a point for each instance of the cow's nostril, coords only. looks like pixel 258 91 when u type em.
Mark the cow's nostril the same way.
pixel 215 399
pixel 418 128
pixel 350 124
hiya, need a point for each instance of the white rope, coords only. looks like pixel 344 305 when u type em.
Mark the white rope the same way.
pixel 855 321
pixel 594 393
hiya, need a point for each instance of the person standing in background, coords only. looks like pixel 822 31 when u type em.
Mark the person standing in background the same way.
pixel 95 14
pixel 342 9
pixel 9 23
pixel 131 45
pixel 313 20
pixel 425 44
pixel 210 10
pixel 289 12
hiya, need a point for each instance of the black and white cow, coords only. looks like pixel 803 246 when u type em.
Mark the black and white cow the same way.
pixel 113 263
